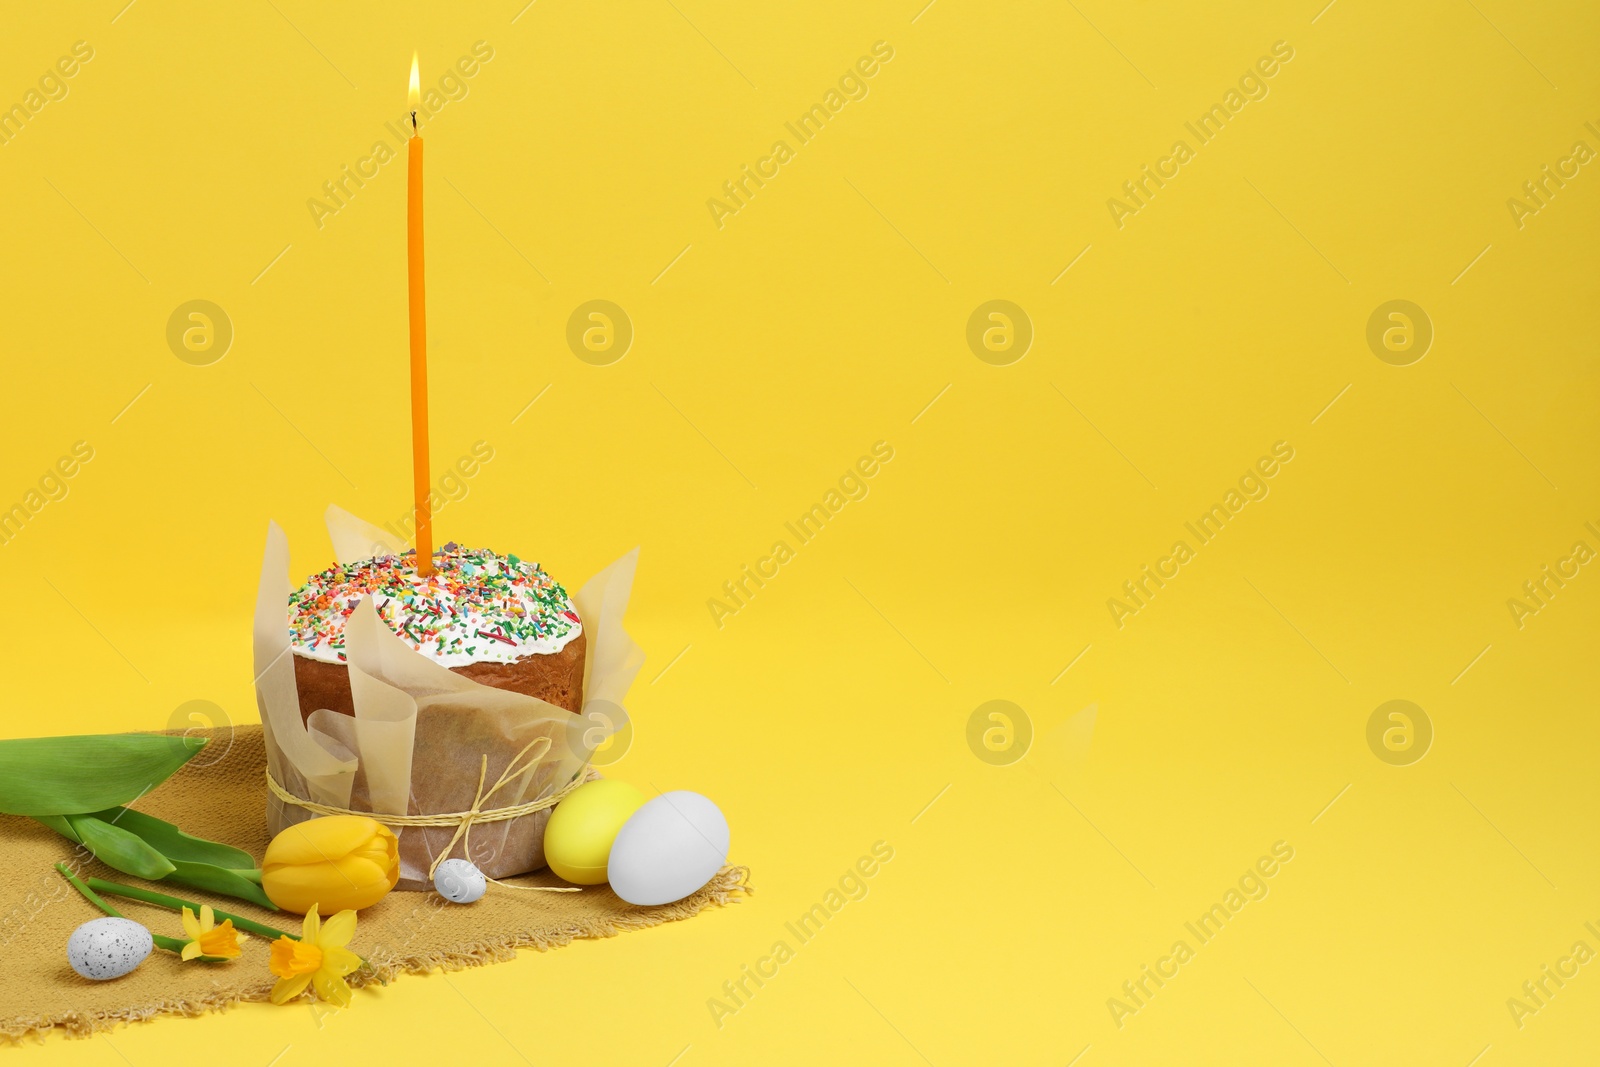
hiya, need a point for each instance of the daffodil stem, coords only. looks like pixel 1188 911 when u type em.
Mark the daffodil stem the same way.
pixel 162 900
pixel 88 894
pixel 171 944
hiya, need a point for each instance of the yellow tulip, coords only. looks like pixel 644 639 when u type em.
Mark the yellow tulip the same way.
pixel 335 863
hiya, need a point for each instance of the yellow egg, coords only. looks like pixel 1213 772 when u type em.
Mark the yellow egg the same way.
pixel 577 840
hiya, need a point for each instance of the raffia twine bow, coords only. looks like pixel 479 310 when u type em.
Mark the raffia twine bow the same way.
pixel 462 820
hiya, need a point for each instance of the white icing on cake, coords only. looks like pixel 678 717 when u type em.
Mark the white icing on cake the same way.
pixel 477 607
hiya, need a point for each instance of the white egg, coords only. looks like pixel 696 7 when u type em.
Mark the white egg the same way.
pixel 108 948
pixel 668 848
pixel 459 881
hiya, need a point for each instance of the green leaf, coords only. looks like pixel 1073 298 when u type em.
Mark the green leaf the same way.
pixel 60 825
pixel 78 775
pixel 116 847
pixel 173 843
pixel 219 880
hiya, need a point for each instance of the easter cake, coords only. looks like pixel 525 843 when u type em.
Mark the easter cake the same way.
pixel 499 620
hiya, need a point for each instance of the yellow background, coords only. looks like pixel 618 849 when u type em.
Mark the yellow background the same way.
pixel 768 356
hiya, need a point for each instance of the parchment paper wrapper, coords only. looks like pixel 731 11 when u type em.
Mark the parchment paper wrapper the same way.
pixel 419 731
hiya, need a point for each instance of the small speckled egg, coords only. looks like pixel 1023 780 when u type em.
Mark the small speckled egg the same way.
pixel 459 881
pixel 108 948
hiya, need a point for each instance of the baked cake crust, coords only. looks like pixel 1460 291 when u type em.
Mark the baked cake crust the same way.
pixel 498 620
pixel 556 678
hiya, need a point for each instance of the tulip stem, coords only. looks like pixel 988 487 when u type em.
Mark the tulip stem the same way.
pixel 162 900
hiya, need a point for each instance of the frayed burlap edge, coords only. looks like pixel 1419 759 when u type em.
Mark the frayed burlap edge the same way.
pixel 729 885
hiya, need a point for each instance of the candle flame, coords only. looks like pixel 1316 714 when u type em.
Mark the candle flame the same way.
pixel 414 96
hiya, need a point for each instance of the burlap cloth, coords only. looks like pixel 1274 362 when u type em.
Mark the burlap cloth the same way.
pixel 221 795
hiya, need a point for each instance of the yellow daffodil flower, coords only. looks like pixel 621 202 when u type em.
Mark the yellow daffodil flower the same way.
pixel 206 938
pixel 319 959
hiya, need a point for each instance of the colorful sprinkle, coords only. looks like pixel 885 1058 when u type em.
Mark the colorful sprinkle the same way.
pixel 472 594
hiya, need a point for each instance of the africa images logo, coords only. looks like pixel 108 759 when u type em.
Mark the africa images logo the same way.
pixel 852 85
pixel 1252 485
pixel 1252 85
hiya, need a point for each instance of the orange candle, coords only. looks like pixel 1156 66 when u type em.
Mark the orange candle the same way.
pixel 419 338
